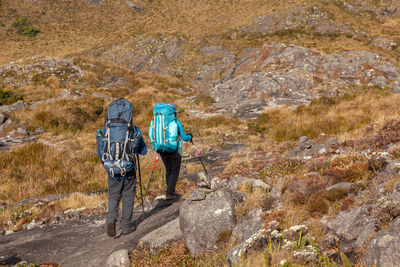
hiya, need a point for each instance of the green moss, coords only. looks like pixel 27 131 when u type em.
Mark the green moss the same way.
pixel 8 97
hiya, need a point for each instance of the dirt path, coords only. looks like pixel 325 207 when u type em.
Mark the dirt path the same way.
pixel 79 243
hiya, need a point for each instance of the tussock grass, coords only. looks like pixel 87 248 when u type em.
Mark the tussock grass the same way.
pixel 80 200
pixel 345 116
pixel 254 199
pixel 36 169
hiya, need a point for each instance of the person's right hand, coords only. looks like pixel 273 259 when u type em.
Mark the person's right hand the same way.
pixel 191 136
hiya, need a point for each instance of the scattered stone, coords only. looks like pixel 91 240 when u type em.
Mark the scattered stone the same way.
pixel 252 223
pixel 306 149
pixel 96 2
pixel 237 181
pixel 133 6
pixel 377 161
pixel 384 43
pixel 204 178
pixel 40 130
pixel 344 185
pixel 119 258
pixel 305 143
pixel 162 237
pixel 201 221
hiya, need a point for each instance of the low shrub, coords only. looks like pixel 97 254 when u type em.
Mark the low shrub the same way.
pixel 25 27
pixel 8 97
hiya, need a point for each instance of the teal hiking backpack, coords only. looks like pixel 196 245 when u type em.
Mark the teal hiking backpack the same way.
pixel 163 129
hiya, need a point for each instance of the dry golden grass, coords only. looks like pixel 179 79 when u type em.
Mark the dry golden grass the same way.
pixel 73 27
pixel 254 199
pixel 344 117
pixel 80 200
pixel 265 258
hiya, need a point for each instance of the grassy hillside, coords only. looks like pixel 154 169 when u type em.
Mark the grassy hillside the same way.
pixel 64 160
pixel 73 26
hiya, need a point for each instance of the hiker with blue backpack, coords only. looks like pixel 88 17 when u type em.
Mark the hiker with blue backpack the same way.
pixel 166 133
pixel 119 144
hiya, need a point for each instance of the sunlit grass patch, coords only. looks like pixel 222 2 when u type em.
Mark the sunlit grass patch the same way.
pixel 327 115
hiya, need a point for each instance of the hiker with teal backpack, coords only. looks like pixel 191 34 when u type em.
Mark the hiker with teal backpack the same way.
pixel 119 144
pixel 166 133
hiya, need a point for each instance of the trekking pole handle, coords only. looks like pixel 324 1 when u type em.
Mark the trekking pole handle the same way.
pixel 155 162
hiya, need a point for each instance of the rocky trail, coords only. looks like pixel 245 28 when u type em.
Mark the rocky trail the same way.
pixel 80 242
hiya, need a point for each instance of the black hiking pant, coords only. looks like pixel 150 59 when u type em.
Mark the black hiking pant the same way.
pixel 172 163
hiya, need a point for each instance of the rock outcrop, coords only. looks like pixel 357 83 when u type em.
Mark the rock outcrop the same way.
pixel 288 74
pixel 297 19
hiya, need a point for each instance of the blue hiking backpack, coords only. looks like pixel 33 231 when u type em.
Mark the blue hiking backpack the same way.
pixel 163 129
pixel 118 141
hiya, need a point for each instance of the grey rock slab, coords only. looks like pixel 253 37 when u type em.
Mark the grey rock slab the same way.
pixel 82 242
pixel 13 107
pixel 119 258
pixel 202 221
pixel 281 74
pixel 307 153
pixel 353 227
pixel 2 118
pixel 162 237
pixel 383 250
pixel 252 223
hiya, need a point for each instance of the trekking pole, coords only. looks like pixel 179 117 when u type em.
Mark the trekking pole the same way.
pixel 198 155
pixel 140 181
pixel 151 176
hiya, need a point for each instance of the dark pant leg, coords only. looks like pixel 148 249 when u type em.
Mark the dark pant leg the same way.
pixel 128 198
pixel 172 162
pixel 114 196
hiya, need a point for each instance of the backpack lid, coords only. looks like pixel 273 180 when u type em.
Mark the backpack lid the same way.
pixel 164 109
pixel 120 110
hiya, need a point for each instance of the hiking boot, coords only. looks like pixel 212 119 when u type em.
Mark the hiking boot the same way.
pixel 111 232
pixel 131 228
pixel 172 197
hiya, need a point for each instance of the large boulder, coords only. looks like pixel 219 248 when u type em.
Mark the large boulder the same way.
pixel 383 250
pixel 162 237
pixel 354 228
pixel 204 216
